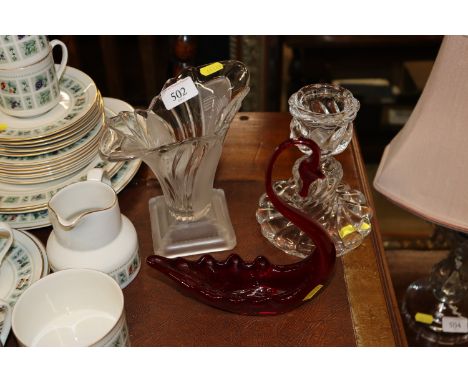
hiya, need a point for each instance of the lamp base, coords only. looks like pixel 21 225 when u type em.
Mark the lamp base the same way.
pixel 172 238
pixel 431 321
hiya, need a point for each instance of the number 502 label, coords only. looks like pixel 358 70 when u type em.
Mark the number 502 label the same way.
pixel 178 93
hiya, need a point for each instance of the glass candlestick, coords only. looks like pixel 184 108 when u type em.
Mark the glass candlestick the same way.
pixel 325 114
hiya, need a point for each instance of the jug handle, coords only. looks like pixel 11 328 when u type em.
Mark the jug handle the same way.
pixel 6 324
pixel 99 175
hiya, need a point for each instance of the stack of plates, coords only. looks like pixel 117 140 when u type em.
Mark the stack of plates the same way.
pixel 41 155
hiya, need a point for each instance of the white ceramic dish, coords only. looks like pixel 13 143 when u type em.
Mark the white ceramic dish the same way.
pixel 55 165
pixel 29 144
pixel 26 159
pixel 25 263
pixel 15 162
pixel 40 218
pixel 49 173
pixel 34 197
pixel 31 197
pixel 55 142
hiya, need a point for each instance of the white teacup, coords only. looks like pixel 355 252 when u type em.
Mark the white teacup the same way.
pixel 75 307
pixel 33 89
pixel 20 51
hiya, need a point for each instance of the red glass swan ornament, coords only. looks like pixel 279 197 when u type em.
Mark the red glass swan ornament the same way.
pixel 259 287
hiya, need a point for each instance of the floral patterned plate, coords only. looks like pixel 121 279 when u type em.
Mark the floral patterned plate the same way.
pixel 56 142
pixel 33 197
pixel 78 96
pixel 58 156
pixel 95 115
pixel 57 165
pixel 23 198
pixel 48 174
pixel 25 206
pixel 25 263
pixel 40 218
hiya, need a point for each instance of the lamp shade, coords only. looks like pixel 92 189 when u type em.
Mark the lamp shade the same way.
pixel 424 169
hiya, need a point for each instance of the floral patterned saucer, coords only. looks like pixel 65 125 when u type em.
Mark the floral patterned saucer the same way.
pixel 78 96
pixel 25 263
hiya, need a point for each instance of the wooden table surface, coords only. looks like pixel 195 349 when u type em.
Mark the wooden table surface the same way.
pixel 358 307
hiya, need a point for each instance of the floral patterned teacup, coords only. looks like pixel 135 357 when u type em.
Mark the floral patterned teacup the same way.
pixel 73 307
pixel 20 51
pixel 33 89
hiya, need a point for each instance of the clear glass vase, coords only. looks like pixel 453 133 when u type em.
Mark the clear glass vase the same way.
pixel 180 137
pixel 325 114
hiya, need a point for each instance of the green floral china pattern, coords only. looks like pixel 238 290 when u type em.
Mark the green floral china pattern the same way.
pixel 54 142
pixel 28 160
pixel 38 219
pixel 13 48
pixel 26 259
pixel 49 174
pixel 121 337
pixel 3 243
pixel 125 274
pixel 31 198
pixel 19 258
pixel 82 96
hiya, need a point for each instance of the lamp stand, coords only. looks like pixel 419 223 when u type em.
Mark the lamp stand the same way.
pixel 435 309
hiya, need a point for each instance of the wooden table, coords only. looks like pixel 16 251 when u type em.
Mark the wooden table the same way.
pixel 358 307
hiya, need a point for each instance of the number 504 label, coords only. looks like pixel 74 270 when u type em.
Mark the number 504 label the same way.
pixel 454 324
pixel 178 93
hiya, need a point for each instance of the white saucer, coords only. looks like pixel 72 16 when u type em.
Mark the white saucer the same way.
pixel 119 259
pixel 25 263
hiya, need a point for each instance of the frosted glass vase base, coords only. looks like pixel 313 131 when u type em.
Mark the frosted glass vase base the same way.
pixel 211 233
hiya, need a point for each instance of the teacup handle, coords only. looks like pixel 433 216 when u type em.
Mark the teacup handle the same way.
pixel 5 229
pixel 99 175
pixel 63 64
pixel 5 326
